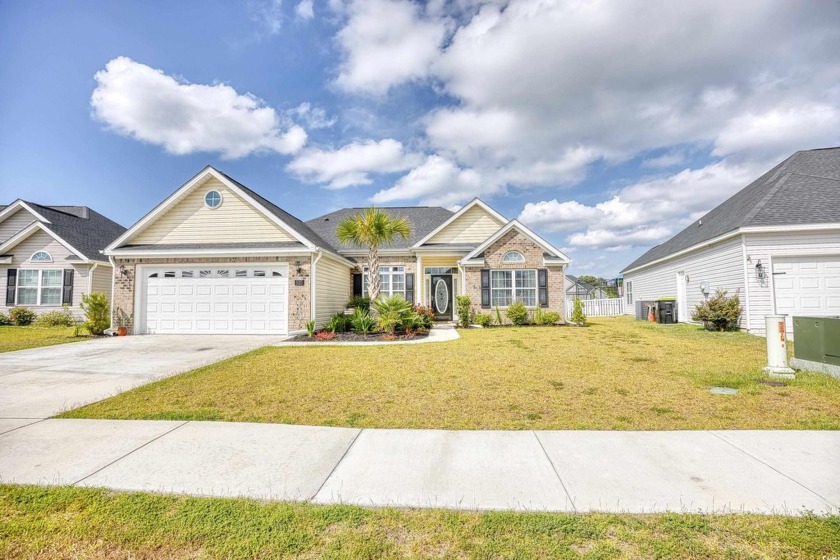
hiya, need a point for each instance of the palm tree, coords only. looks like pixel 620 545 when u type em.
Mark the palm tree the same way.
pixel 371 229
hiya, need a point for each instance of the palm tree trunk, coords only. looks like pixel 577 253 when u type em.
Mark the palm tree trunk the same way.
pixel 373 272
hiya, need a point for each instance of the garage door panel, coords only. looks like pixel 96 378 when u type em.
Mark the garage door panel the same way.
pixel 807 286
pixel 210 300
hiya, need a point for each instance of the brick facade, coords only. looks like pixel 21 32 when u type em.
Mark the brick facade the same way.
pixel 533 253
pixel 299 296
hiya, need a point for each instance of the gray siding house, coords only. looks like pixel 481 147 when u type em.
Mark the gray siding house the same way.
pixel 776 243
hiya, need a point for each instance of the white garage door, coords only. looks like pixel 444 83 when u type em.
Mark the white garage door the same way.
pixel 807 286
pixel 215 299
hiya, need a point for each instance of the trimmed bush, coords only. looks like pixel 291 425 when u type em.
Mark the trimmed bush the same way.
pixel 483 319
pixel 4 320
pixel 551 318
pixel 719 312
pixel 21 316
pixel 517 313
pixel 97 312
pixel 56 318
pixel 463 306
pixel 578 316
pixel 427 316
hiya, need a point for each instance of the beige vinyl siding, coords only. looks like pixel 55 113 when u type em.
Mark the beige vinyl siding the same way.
pixel 440 261
pixel 421 288
pixel 191 221
pixel 41 241
pixel 14 223
pixel 766 246
pixel 102 280
pixel 333 288
pixel 720 265
pixel 473 226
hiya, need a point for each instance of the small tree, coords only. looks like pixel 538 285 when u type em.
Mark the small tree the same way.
pixel 97 312
pixel 517 313
pixel 719 312
pixel 463 304
pixel 578 316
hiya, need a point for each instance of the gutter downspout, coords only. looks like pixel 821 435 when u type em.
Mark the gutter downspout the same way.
pixel 113 262
pixel 312 295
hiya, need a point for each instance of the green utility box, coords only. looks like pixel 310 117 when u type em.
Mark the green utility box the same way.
pixel 816 344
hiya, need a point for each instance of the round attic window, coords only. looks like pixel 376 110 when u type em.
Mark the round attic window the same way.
pixel 213 199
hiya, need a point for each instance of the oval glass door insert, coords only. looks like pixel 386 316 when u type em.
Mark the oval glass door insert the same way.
pixel 441 296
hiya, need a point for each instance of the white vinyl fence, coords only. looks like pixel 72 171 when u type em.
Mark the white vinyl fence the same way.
pixel 597 307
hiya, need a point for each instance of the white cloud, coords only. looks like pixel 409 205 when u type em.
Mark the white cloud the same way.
pixel 267 14
pixel 386 43
pixel 305 9
pixel 671 158
pixel 436 181
pixel 314 117
pixel 351 164
pixel 144 103
pixel 607 238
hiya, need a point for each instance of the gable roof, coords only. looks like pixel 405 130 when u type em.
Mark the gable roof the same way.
pixel 424 219
pixel 454 216
pixel 82 229
pixel 551 252
pixel 804 189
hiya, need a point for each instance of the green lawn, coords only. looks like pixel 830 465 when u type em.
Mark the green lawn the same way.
pixel 77 523
pixel 21 338
pixel 615 374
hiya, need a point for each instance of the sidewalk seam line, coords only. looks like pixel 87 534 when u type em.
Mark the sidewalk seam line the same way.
pixel 771 467
pixel 554 468
pixel 24 426
pixel 99 470
pixel 340 459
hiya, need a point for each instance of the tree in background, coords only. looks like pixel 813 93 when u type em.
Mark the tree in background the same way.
pixel 598 282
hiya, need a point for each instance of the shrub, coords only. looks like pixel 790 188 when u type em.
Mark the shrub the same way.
pixel 21 316
pixel 719 312
pixel 517 313
pixel 56 318
pixel 97 312
pixel 393 311
pixel 310 329
pixel 427 316
pixel 578 316
pixel 362 322
pixel 325 335
pixel 337 323
pixel 359 302
pixel 463 306
pixel 499 320
pixel 483 319
pixel 538 316
pixel 410 323
pixel 551 318
pixel 4 320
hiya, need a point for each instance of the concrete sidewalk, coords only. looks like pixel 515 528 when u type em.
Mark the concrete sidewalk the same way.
pixel 782 472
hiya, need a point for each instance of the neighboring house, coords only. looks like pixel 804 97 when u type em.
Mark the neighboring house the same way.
pixel 575 289
pixel 216 257
pixel 51 255
pixel 776 243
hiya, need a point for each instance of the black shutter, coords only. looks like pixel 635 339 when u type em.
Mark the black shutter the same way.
pixel 11 283
pixel 485 288
pixel 542 284
pixel 409 287
pixel 67 290
pixel 357 284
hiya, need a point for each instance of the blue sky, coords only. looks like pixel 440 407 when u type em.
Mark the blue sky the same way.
pixel 606 127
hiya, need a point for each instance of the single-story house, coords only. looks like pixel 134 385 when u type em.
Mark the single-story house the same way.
pixel 51 255
pixel 575 289
pixel 776 243
pixel 216 257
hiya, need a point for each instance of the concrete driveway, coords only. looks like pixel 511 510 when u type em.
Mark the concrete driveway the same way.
pixel 42 382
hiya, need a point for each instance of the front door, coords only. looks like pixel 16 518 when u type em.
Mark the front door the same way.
pixel 442 296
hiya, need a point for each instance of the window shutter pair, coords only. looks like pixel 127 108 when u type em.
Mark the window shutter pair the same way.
pixel 66 287
pixel 485 288
pixel 542 285
pixel 357 284
pixel 409 287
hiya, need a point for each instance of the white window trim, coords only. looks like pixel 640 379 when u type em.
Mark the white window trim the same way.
pixel 41 251
pixel 221 199
pixel 518 258
pixel 514 287
pixel 628 292
pixel 39 288
pixel 389 272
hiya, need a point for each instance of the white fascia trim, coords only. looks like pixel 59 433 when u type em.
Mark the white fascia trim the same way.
pixel 691 249
pixel 6 260
pixel 32 228
pixel 528 233
pixel 183 190
pixel 207 252
pixel 18 204
pixel 391 252
pixel 443 251
pixel 782 229
pixel 458 214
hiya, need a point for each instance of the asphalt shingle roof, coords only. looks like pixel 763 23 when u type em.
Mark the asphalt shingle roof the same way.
pixel 803 189
pixel 423 219
pixel 84 229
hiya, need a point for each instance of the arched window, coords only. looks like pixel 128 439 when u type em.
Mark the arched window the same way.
pixel 41 257
pixel 513 257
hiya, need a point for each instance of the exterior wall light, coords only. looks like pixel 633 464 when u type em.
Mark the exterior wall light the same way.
pixel 760 273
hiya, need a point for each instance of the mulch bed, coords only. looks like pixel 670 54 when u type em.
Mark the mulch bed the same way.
pixel 356 337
